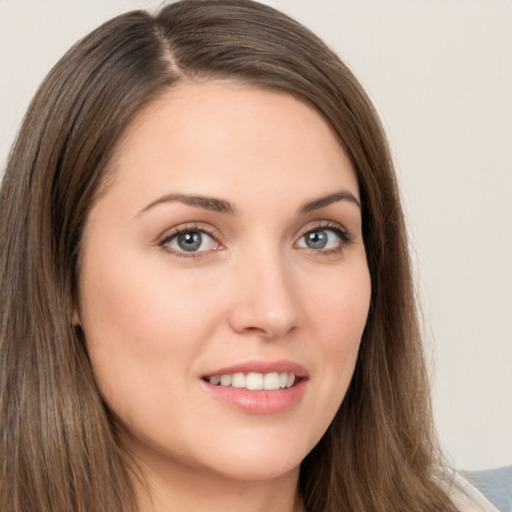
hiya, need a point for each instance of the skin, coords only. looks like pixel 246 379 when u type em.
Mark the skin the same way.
pixel 158 318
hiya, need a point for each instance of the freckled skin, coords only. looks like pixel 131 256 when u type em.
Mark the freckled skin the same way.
pixel 157 318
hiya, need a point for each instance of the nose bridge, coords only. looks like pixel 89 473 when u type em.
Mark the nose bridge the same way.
pixel 267 302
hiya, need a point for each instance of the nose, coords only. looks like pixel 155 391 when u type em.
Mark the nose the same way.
pixel 266 300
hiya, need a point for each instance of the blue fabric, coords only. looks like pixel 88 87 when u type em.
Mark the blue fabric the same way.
pixel 495 484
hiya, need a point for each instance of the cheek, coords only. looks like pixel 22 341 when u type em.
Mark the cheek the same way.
pixel 143 325
pixel 141 301
pixel 338 316
pixel 339 309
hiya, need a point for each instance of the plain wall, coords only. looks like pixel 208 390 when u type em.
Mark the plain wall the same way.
pixel 440 74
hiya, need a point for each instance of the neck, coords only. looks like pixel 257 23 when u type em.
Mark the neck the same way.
pixel 166 487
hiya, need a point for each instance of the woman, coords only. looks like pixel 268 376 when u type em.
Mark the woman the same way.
pixel 206 293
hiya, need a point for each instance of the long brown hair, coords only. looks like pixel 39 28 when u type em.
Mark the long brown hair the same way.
pixel 59 449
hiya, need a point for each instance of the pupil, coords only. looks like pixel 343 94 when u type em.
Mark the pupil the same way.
pixel 190 241
pixel 316 239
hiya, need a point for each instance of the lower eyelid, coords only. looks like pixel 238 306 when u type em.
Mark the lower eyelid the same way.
pixel 166 240
pixel 340 232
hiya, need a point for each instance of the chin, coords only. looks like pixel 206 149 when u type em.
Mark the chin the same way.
pixel 258 458
pixel 254 469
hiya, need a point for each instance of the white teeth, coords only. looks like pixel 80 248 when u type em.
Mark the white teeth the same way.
pixel 254 381
pixel 238 380
pixel 215 380
pixel 271 381
pixel 225 380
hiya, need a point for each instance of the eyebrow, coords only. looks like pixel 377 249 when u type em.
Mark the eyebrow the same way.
pixel 322 202
pixel 207 203
pixel 222 206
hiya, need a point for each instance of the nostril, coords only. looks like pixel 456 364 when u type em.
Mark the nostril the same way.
pixel 270 332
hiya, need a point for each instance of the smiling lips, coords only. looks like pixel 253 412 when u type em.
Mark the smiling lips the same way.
pixel 259 387
pixel 254 381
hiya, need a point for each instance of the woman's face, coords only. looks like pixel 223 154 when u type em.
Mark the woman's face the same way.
pixel 226 248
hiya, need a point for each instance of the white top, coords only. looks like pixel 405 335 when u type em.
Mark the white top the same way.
pixel 466 497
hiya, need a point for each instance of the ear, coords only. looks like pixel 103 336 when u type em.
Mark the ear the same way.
pixel 75 318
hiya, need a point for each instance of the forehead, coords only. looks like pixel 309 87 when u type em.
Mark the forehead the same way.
pixel 224 136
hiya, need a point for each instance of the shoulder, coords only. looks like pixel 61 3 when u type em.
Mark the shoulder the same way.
pixel 465 496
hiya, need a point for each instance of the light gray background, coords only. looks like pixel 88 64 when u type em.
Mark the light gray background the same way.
pixel 440 74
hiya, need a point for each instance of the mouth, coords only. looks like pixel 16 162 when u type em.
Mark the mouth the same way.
pixel 255 381
pixel 258 387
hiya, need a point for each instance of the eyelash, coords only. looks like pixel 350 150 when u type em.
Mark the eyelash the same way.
pixel 182 230
pixel 344 236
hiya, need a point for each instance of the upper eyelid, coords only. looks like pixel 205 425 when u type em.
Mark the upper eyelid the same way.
pixel 320 224
pixel 171 234
pixel 188 227
pixel 216 235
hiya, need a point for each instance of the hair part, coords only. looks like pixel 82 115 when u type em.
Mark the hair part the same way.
pixel 59 444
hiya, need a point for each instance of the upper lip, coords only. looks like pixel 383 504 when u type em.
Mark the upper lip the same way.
pixel 261 367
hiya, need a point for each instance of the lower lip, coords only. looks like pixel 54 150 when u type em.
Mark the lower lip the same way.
pixel 259 402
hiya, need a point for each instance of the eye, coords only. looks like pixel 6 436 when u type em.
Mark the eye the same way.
pixel 190 241
pixel 323 238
